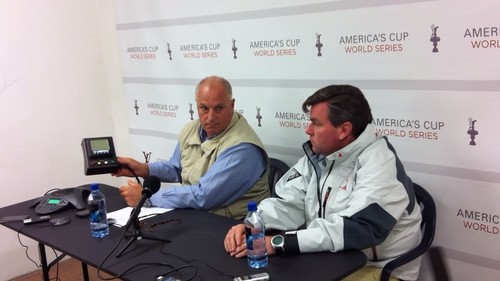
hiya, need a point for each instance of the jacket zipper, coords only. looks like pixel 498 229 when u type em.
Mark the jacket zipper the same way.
pixel 327 194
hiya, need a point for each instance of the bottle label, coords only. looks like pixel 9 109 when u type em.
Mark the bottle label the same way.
pixel 96 215
pixel 258 246
pixel 256 241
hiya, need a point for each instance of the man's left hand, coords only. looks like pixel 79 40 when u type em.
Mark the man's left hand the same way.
pixel 132 193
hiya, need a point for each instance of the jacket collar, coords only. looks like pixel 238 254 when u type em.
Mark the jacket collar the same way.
pixel 350 151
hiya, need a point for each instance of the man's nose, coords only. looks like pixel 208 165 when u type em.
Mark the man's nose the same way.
pixel 309 130
pixel 211 114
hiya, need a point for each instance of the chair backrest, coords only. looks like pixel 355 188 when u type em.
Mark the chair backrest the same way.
pixel 428 226
pixel 439 266
pixel 276 170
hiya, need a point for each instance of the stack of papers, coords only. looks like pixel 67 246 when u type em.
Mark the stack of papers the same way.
pixel 121 216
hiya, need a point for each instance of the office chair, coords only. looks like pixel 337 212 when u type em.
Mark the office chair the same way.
pixel 439 266
pixel 276 170
pixel 428 226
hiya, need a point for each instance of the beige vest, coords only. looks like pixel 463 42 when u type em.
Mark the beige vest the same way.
pixel 197 157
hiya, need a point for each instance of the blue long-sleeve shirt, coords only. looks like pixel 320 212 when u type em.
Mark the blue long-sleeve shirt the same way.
pixel 229 177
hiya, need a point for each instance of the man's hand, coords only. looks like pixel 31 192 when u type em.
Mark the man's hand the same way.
pixel 132 193
pixel 129 167
pixel 235 242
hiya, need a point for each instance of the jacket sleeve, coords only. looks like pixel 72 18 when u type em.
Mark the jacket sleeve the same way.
pixel 286 211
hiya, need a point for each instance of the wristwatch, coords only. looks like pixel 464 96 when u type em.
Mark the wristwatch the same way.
pixel 278 243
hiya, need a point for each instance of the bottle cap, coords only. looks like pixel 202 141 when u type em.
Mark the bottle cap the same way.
pixel 94 186
pixel 252 206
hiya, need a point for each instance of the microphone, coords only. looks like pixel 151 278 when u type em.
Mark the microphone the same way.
pixel 151 186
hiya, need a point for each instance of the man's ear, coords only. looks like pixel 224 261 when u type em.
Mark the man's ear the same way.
pixel 345 131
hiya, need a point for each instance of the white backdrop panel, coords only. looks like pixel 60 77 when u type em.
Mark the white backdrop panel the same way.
pixel 426 67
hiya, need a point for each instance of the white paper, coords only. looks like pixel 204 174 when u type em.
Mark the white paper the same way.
pixel 121 216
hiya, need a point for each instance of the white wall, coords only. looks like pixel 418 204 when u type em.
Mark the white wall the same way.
pixel 59 71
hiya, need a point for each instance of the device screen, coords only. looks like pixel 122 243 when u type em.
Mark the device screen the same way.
pixel 54 201
pixel 99 146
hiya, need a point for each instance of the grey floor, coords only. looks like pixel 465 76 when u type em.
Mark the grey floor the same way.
pixel 69 270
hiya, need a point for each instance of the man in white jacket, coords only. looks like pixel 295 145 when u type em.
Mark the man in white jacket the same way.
pixel 349 191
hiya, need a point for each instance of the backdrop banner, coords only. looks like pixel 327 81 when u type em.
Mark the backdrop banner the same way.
pixel 430 70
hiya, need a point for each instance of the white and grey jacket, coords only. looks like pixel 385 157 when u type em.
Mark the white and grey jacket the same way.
pixel 356 198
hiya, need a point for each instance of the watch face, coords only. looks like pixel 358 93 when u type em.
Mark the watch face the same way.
pixel 277 240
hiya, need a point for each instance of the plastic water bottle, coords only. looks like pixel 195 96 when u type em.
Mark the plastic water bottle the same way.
pixel 255 237
pixel 97 207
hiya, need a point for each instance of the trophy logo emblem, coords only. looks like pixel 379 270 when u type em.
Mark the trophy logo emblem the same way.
pixel 191 110
pixel 147 156
pixel 234 49
pixel 434 38
pixel 319 45
pixel 472 132
pixel 136 107
pixel 259 117
pixel 169 51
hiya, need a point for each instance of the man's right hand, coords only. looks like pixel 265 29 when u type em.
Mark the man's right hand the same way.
pixel 129 167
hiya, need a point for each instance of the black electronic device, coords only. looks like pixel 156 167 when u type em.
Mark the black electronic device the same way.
pixel 254 277
pixel 36 220
pixel 99 156
pixel 61 199
pixel 13 218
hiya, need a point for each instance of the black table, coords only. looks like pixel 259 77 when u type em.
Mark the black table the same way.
pixel 196 240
